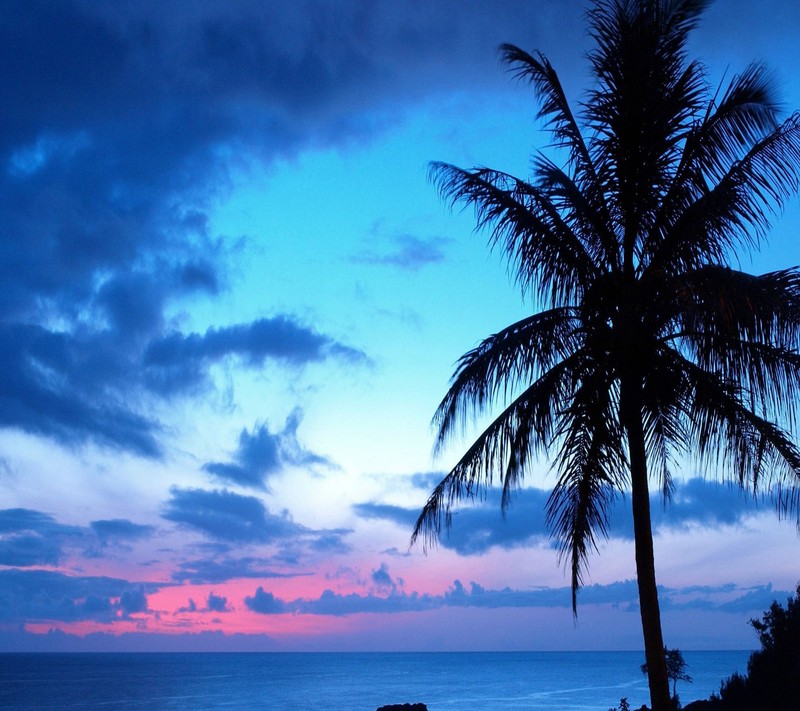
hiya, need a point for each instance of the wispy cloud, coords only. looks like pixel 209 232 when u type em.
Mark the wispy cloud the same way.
pixel 407 252
pixel 222 569
pixel 261 454
pixel 88 386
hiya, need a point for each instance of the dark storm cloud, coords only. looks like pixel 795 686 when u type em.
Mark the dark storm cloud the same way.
pixel 79 386
pixel 16 520
pixel 23 550
pixel 696 502
pixel 46 596
pixel 477 596
pixel 758 598
pixel 226 516
pixel 40 595
pixel 478 528
pixel 261 454
pixel 177 363
pixel 723 598
pixel 122 123
pixel 256 457
pixel 43 390
pixel 335 604
pixel 331 603
pixel 119 128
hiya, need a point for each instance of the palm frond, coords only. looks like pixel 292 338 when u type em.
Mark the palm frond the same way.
pixel 555 110
pixel 662 419
pixel 730 434
pixel 718 300
pixel 591 471
pixel 580 212
pixel 736 211
pixel 771 170
pixel 747 113
pixel 543 252
pixel 640 110
pixel 505 446
pixel 746 329
pixel 494 369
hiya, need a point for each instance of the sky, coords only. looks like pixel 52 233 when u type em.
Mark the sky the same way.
pixel 232 300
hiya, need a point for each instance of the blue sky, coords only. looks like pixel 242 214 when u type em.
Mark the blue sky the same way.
pixel 232 302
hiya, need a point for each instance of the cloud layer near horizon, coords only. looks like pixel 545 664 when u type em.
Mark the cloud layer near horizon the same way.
pixel 40 596
pixel 31 539
pixel 479 526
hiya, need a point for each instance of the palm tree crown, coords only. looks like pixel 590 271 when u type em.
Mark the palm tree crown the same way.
pixel 649 343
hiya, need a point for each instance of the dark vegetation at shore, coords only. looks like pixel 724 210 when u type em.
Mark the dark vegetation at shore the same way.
pixel 772 681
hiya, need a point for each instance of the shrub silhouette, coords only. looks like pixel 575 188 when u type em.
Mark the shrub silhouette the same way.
pixel 676 670
pixel 772 682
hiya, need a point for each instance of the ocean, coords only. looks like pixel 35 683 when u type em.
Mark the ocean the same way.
pixel 488 681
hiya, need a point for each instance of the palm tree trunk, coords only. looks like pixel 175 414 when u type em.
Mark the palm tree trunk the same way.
pixel 645 560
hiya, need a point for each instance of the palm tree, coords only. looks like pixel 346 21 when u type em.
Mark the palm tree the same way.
pixel 648 344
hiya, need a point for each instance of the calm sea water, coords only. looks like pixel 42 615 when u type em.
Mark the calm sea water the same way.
pixel 566 681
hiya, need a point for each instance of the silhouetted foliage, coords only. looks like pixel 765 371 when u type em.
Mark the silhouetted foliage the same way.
pixel 676 668
pixel 772 682
pixel 647 343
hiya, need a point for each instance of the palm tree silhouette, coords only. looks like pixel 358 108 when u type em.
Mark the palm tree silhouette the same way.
pixel 649 345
